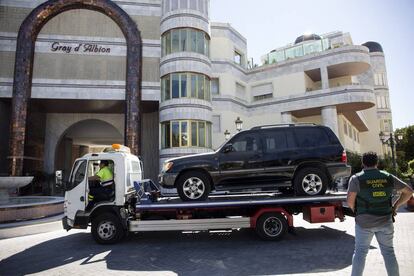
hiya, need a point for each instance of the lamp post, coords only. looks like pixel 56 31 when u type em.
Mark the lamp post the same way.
pixel 227 134
pixel 391 142
pixel 239 124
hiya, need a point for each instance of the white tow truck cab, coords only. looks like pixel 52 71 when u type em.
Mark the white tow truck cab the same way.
pixel 132 204
pixel 79 209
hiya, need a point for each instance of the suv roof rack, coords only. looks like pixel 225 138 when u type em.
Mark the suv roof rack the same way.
pixel 283 125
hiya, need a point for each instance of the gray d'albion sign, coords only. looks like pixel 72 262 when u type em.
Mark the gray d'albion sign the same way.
pixel 79 48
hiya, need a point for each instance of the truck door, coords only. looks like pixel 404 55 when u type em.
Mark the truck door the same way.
pixel 75 196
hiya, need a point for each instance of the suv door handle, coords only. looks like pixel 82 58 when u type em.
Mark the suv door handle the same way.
pixel 82 198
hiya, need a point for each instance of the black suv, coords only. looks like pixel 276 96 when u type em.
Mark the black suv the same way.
pixel 305 157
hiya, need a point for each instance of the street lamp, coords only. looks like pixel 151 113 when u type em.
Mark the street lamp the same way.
pixel 391 142
pixel 239 124
pixel 227 135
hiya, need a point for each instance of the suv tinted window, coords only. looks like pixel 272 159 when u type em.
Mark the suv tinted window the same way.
pixel 311 137
pixel 246 142
pixel 280 139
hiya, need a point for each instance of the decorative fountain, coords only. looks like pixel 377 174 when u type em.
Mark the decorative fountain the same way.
pixel 21 208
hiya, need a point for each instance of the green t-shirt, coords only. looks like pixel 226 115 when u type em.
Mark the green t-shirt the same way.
pixel 105 174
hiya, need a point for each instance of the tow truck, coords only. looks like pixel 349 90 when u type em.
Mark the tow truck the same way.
pixel 134 204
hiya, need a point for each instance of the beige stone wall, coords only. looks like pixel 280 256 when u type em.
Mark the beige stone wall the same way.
pixel 87 67
pixel 79 23
pixel 348 140
pixel 289 84
pixel 370 140
pixel 221 48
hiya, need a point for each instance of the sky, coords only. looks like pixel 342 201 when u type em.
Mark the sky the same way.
pixel 269 24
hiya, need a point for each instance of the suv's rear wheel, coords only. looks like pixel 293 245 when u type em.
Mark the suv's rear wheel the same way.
pixel 310 181
pixel 193 185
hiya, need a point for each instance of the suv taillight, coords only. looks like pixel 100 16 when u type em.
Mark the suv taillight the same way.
pixel 344 159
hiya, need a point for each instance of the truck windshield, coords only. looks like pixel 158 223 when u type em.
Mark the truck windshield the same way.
pixel 78 174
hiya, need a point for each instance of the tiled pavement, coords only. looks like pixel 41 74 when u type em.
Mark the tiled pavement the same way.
pixel 315 249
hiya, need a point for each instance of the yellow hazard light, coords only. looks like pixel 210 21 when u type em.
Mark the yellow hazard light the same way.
pixel 122 148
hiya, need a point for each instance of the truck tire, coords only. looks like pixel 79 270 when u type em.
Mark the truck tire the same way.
pixel 193 186
pixel 310 181
pixel 107 229
pixel 271 226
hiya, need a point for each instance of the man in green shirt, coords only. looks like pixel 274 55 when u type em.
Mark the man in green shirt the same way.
pixel 370 197
pixel 105 177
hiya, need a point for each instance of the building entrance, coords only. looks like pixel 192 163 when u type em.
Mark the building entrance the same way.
pixel 84 137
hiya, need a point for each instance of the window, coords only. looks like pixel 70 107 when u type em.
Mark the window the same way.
pixel 175 86
pixel 350 130
pixel 345 128
pixel 311 137
pixel 185 85
pixel 200 87
pixel 216 124
pixel 275 140
pixel 175 41
pixel 215 89
pixel 175 136
pixel 262 91
pixel 262 97
pixel 78 174
pixel 245 143
pixel 185 40
pixel 237 58
pixel 186 133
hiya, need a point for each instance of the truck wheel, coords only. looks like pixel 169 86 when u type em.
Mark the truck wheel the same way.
pixel 107 229
pixel 271 226
pixel 310 182
pixel 193 185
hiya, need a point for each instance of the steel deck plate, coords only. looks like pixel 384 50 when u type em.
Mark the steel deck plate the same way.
pixel 239 201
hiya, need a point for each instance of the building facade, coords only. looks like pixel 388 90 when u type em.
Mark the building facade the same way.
pixel 196 81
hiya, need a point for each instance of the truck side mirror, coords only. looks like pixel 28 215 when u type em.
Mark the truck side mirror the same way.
pixel 228 148
pixel 59 178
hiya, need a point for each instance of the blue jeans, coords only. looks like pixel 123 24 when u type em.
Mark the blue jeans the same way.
pixel 363 238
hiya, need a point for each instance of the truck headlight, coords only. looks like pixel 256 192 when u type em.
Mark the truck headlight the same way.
pixel 167 166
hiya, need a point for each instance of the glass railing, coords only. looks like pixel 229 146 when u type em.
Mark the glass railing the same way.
pixel 297 51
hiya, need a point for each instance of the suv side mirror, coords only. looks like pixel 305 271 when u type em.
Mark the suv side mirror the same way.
pixel 228 148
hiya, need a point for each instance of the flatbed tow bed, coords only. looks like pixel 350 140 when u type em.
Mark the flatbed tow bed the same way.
pixel 270 214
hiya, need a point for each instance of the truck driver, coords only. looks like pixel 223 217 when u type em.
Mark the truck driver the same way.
pixel 103 191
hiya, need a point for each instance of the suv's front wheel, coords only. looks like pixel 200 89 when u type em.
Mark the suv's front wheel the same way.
pixel 193 185
pixel 310 182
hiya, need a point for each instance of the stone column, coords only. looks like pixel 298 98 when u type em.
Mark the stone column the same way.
pixel 324 78
pixel 330 118
pixel 287 118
